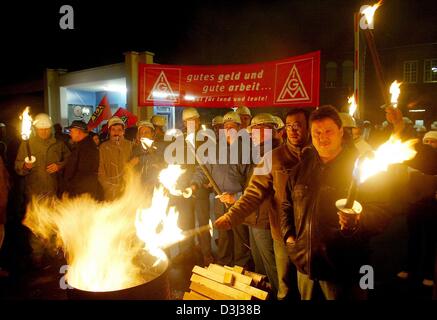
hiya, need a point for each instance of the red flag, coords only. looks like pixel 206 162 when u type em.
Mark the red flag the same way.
pixel 128 118
pixel 103 112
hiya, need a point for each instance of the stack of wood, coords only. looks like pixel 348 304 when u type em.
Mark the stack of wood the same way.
pixel 216 282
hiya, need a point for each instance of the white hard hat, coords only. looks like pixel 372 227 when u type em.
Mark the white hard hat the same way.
pixel 262 118
pixel 217 120
pixel 115 120
pixel 190 113
pixel 232 117
pixel 158 120
pixel 42 121
pixel 144 123
pixel 279 123
pixel 430 135
pixel 347 120
pixel 243 110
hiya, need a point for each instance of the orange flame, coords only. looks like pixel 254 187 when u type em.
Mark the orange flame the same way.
pixel 352 105
pixel 111 245
pixel 395 92
pixel 392 152
pixel 26 124
pixel 369 12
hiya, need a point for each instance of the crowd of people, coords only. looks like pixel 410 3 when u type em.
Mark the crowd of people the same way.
pixel 282 222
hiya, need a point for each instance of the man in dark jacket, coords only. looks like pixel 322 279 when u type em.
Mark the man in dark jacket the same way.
pixel 80 173
pixel 328 247
pixel 266 191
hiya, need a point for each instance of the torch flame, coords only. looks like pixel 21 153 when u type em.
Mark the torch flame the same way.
pixel 395 92
pixel 26 124
pixel 169 177
pixel 392 152
pixel 369 12
pixel 352 105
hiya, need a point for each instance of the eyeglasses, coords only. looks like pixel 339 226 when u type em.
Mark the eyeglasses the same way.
pixel 294 126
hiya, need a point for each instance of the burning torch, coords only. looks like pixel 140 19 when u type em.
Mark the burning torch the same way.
pixel 26 129
pixel 352 105
pixel 369 13
pixel 391 152
pixel 395 92
pixel 190 145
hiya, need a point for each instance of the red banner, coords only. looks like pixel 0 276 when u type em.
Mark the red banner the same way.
pixel 283 83
pixel 103 112
pixel 128 118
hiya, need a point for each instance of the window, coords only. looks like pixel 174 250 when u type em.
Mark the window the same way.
pixel 410 71
pixel 430 70
pixel 331 75
pixel 347 74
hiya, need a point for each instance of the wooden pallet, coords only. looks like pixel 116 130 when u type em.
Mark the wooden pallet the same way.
pixel 225 283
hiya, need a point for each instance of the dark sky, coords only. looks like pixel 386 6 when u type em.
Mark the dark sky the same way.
pixel 194 32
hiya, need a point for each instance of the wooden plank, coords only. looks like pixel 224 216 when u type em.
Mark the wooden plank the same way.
pixel 208 292
pixel 229 278
pixel 255 292
pixel 192 295
pixel 229 291
pixel 239 269
pixel 255 276
pixel 238 277
pixel 209 274
pixel 199 295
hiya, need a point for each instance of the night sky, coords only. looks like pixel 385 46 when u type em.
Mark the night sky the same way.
pixel 194 32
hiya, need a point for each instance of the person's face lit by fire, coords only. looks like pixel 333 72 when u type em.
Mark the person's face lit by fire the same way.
pixel 327 138
pixel 43 133
pixel 431 142
pixel 192 123
pixel 217 129
pixel 231 131
pixel 262 133
pixel 146 132
pixel 116 132
pixel 297 131
pixel 245 120
pixel 77 135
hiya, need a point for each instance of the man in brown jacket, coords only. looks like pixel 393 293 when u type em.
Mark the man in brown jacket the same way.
pixel 114 156
pixel 270 188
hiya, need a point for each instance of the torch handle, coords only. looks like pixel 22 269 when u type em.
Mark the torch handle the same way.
pixel 352 193
pixel 206 172
pixel 29 153
pixel 370 40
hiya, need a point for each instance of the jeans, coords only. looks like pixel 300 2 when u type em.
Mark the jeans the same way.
pixel 287 273
pixel 261 245
pixel 330 290
pixel 202 216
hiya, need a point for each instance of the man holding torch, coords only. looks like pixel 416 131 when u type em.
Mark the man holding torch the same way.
pixel 40 160
pixel 327 245
pixel 50 155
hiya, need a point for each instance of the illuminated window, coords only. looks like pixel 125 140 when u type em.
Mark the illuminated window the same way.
pixel 430 70
pixel 331 75
pixel 347 74
pixel 410 71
